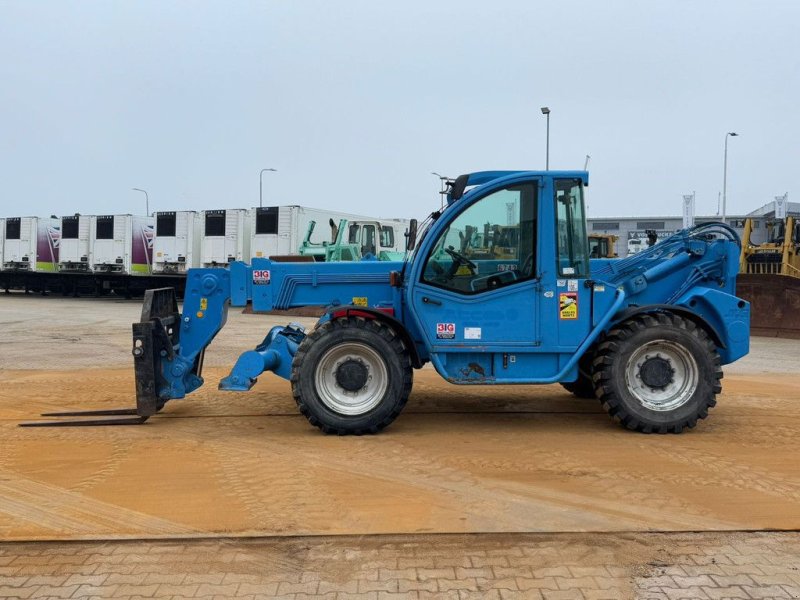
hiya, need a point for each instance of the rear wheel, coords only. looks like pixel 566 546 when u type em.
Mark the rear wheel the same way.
pixel 657 373
pixel 351 376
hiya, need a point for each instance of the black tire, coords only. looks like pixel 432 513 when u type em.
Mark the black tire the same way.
pixel 583 387
pixel 368 352
pixel 657 373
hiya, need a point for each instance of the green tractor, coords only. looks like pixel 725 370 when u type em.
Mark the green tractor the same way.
pixel 366 240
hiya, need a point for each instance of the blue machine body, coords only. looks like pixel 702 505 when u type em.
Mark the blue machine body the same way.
pixel 511 328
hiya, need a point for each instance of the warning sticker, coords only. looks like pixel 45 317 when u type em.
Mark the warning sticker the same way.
pixel 568 305
pixel 360 301
pixel 261 277
pixel 445 331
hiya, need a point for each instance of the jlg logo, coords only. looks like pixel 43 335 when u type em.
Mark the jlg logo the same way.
pixel 445 331
pixel 261 277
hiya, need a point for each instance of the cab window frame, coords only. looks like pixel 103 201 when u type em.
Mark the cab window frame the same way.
pixel 504 279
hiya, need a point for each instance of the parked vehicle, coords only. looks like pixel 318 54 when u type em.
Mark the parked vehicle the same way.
pixel 647 334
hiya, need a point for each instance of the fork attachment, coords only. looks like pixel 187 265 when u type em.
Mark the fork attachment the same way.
pixel 154 337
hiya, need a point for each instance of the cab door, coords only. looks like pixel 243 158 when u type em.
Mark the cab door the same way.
pixel 475 295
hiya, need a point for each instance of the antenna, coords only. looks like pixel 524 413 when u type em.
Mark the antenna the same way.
pixel 586 163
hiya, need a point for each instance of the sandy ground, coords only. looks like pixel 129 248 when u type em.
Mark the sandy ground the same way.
pixel 459 460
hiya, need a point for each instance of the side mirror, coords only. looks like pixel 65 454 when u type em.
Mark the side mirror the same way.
pixel 411 235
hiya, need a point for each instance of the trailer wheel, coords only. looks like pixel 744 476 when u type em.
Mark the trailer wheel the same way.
pixel 351 376
pixel 657 373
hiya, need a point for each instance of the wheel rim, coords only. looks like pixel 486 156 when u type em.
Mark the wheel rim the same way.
pixel 344 360
pixel 662 375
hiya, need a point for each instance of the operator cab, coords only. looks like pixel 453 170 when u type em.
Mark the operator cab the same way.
pixel 501 274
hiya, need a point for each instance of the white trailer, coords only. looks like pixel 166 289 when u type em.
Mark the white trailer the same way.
pixel 177 241
pixel 226 237
pixel 74 255
pixel 121 244
pixel 281 230
pixel 31 244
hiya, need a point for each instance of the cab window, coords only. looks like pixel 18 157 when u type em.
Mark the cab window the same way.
pixel 387 237
pixel 490 245
pixel 573 254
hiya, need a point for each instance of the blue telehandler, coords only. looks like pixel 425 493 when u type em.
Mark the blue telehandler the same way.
pixel 646 335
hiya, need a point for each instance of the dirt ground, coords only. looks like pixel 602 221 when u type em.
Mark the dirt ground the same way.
pixel 458 460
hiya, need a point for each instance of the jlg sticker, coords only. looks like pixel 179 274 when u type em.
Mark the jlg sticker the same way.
pixel 360 301
pixel 568 305
pixel 445 331
pixel 261 277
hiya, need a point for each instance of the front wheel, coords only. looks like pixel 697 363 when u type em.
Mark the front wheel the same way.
pixel 351 376
pixel 657 373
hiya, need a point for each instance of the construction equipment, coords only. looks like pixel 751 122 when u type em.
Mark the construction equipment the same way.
pixel 365 240
pixel 770 277
pixel 646 334
pixel 602 245
pixel 779 255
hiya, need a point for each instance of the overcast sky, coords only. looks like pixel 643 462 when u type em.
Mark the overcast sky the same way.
pixel 355 103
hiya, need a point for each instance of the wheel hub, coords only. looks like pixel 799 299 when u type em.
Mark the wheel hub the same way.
pixel 656 372
pixel 352 375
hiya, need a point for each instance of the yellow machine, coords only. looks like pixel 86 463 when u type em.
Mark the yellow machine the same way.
pixel 777 256
pixel 496 241
pixel 770 279
pixel 601 245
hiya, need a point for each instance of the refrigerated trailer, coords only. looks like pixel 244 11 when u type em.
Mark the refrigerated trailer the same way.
pixel 226 237
pixel 122 244
pixel 74 255
pixel 177 241
pixel 31 244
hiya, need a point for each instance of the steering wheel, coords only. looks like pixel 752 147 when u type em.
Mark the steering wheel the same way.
pixel 459 259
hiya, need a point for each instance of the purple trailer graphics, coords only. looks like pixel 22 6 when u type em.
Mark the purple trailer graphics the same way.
pixel 122 244
pixel 31 244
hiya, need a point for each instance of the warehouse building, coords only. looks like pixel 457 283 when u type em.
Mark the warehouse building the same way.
pixel 632 231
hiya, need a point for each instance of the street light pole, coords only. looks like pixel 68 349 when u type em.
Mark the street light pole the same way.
pixel 146 199
pixel 546 112
pixel 725 174
pixel 261 185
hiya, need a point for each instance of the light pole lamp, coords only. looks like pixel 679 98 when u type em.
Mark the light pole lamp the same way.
pixel 146 199
pixel 261 185
pixel 725 174
pixel 546 112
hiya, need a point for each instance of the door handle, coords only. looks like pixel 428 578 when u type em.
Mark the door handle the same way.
pixel 426 300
